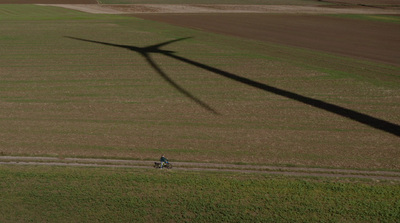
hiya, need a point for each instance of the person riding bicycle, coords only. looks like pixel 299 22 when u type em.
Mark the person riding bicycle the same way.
pixel 163 161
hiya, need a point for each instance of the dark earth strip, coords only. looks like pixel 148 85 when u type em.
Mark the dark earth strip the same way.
pixel 372 40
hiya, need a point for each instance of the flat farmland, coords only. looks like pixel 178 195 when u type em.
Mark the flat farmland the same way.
pixel 236 2
pixel 76 87
pixel 75 84
pixel 367 38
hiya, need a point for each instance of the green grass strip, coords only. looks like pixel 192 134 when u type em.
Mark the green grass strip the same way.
pixel 60 194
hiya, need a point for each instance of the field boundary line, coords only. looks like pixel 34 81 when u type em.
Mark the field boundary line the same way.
pixel 219 8
pixel 192 166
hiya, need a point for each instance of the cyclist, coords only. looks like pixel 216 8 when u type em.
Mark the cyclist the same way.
pixel 163 161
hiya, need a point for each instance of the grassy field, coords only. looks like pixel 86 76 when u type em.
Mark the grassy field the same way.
pixel 60 96
pixel 66 97
pixel 41 194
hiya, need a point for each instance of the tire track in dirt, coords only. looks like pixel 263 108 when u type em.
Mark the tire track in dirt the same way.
pixel 213 167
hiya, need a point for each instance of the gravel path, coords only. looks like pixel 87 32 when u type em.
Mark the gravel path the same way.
pixel 189 166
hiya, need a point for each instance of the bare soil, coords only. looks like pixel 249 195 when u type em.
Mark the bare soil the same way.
pixel 298 27
pixel 218 8
pixel 365 2
pixel 363 39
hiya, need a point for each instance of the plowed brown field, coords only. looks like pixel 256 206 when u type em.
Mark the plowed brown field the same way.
pixel 365 2
pixel 373 40
pixel 351 37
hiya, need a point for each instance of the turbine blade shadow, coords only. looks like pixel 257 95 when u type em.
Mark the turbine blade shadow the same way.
pixel 177 87
pixel 145 51
pixel 344 112
pixel 104 43
pixel 157 46
pixel 335 109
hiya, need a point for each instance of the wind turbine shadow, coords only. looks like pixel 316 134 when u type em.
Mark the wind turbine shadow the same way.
pixel 145 52
pixel 335 109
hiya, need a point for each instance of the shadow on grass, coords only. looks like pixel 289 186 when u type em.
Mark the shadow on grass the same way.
pixel 338 110
pixel 145 52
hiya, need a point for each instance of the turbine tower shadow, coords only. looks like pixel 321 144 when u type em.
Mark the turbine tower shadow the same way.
pixel 335 109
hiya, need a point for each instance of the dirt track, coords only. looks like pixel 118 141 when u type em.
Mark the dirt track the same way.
pixel 289 171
